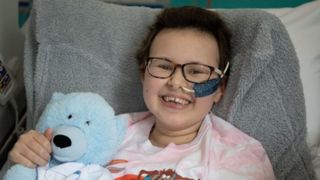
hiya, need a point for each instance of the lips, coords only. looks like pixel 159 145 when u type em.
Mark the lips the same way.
pixel 176 100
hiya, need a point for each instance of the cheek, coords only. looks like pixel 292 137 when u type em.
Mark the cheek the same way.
pixel 205 103
pixel 151 88
pixel 147 85
pixel 147 93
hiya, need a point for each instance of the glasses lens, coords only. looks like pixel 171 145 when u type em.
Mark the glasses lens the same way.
pixel 160 68
pixel 197 73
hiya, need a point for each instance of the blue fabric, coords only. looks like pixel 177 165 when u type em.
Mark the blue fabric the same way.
pixel 207 88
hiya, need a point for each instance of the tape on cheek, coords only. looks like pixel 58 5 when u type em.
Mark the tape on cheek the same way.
pixel 206 89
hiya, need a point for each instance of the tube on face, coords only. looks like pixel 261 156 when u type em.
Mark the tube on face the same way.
pixel 204 89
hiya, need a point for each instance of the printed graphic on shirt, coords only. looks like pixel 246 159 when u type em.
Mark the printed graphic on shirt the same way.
pixel 162 174
pixel 165 174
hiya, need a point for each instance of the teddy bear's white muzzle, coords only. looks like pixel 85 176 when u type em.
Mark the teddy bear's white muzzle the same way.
pixel 68 143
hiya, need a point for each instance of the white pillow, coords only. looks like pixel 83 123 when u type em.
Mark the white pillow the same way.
pixel 303 25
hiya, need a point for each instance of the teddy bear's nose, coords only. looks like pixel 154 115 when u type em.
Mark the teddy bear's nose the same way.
pixel 62 141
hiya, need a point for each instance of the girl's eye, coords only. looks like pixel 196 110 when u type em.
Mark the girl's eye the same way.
pixel 164 67
pixel 195 72
pixel 70 116
pixel 88 123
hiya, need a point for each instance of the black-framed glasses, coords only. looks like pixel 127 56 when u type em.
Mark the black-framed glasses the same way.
pixel 163 68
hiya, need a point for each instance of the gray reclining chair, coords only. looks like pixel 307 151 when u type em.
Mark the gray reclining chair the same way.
pixel 86 45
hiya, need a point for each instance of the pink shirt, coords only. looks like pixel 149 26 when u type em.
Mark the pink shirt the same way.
pixel 220 151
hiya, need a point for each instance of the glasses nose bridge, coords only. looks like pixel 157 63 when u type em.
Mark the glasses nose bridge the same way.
pixel 181 66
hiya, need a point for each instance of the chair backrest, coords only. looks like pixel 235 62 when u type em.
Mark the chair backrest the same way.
pixel 87 45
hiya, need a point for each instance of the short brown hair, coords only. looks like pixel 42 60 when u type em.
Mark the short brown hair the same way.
pixel 189 17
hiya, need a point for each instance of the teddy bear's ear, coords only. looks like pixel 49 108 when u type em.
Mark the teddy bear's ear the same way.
pixel 57 96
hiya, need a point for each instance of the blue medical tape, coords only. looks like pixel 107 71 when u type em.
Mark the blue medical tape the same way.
pixel 207 88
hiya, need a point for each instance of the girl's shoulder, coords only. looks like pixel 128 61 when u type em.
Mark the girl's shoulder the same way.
pixel 225 131
pixel 238 151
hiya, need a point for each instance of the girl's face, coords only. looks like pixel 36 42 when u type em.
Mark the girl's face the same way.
pixel 177 110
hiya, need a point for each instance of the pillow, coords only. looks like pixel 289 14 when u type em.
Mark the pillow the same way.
pixel 303 26
pixel 88 45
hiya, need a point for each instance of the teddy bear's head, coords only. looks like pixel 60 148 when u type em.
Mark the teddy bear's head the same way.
pixel 85 128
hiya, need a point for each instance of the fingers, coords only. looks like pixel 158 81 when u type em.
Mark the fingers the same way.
pixel 48 133
pixel 39 144
pixel 42 141
pixel 17 158
pixel 31 149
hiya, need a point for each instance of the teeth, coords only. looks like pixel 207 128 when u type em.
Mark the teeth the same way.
pixel 175 100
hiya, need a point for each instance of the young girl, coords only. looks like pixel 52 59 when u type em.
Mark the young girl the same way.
pixel 184 60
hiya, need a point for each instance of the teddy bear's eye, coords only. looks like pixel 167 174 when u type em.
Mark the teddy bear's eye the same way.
pixel 88 123
pixel 70 116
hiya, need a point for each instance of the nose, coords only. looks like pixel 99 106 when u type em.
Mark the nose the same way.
pixel 62 141
pixel 177 79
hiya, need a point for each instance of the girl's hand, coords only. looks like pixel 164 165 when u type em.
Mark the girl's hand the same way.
pixel 32 149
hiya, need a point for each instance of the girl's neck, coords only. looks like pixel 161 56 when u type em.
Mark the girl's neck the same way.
pixel 161 138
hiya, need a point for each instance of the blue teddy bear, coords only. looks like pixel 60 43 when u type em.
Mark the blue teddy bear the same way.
pixel 86 134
